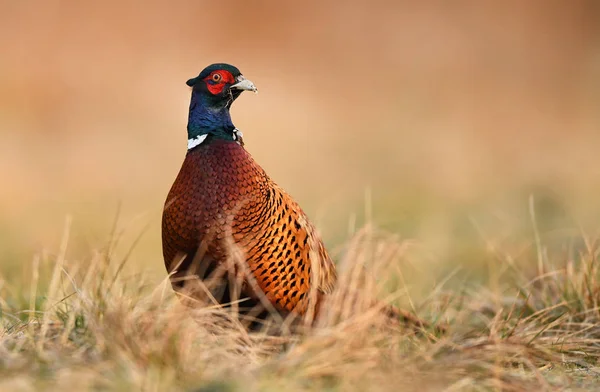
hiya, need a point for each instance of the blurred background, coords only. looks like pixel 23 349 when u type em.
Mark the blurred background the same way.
pixel 437 120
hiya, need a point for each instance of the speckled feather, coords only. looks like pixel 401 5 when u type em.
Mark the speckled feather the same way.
pixel 222 196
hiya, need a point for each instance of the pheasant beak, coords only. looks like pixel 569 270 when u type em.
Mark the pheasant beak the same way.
pixel 244 84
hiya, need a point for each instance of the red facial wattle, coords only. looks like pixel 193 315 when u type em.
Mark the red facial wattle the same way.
pixel 216 86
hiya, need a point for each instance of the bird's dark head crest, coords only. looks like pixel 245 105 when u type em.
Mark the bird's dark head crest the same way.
pixel 213 92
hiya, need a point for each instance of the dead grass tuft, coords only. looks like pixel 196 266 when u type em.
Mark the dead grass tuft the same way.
pixel 95 328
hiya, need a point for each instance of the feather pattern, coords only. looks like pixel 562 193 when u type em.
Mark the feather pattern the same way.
pixel 223 201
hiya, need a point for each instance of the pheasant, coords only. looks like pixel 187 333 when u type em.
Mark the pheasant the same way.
pixel 223 202
pixel 228 231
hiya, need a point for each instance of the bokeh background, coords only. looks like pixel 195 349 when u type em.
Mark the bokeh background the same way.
pixel 435 120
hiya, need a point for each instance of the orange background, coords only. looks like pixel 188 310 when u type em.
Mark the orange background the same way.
pixel 437 108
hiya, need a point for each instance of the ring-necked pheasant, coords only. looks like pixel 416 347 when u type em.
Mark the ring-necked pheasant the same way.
pixel 225 221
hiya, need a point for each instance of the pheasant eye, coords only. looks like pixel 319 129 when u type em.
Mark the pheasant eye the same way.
pixel 216 77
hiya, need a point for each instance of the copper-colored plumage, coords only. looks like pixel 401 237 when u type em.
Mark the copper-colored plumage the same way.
pixel 223 204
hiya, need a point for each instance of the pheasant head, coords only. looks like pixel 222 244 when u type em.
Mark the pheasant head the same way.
pixel 213 92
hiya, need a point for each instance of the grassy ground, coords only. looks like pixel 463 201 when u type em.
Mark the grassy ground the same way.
pixel 87 324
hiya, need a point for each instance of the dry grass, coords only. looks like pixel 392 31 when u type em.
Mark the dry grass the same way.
pixel 88 326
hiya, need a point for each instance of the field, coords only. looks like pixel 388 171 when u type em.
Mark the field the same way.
pixel 447 154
